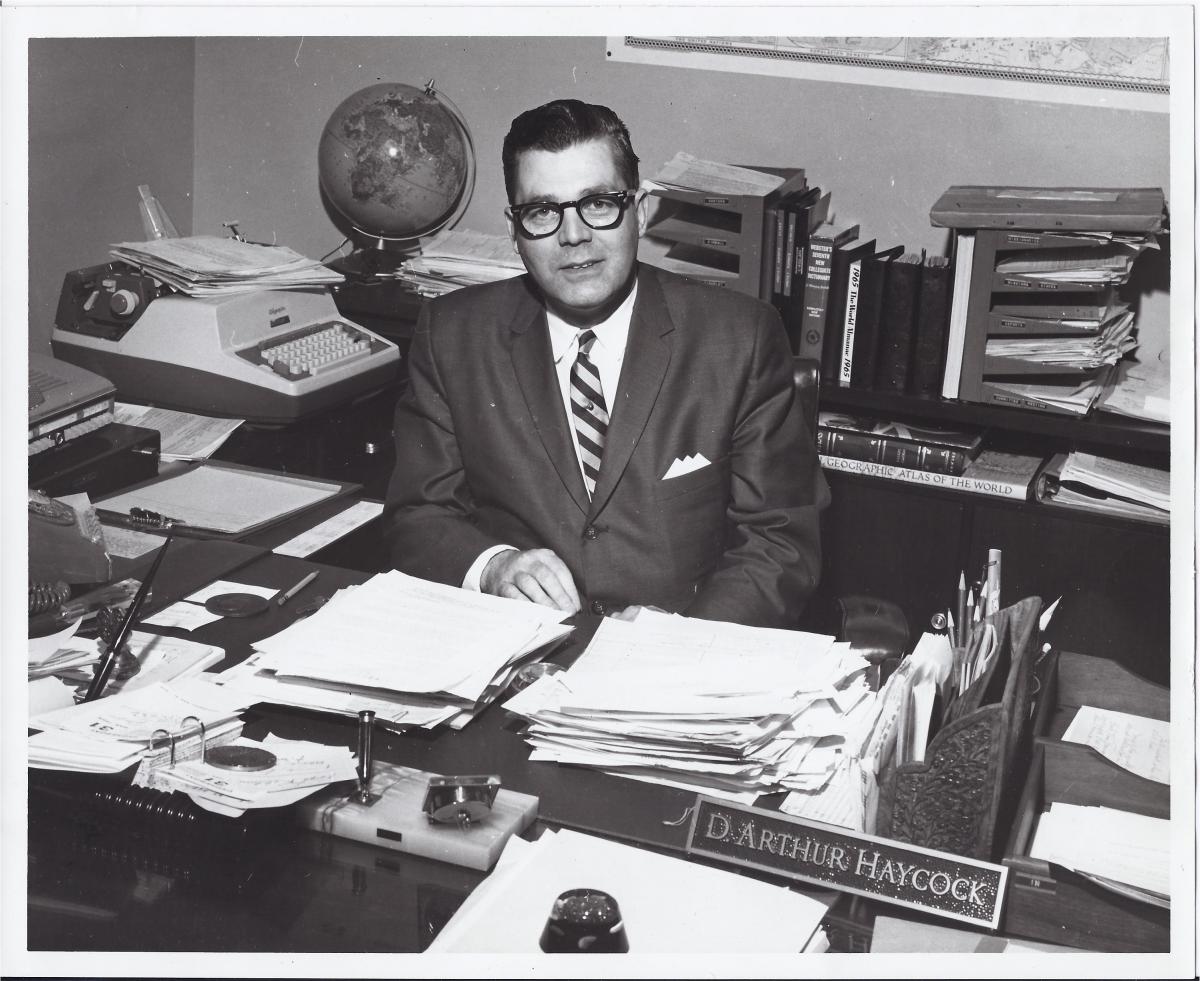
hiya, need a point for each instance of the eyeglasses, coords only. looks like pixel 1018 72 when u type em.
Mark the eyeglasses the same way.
pixel 598 211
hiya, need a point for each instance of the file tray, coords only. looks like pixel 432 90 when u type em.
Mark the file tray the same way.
pixel 959 797
pixel 1047 901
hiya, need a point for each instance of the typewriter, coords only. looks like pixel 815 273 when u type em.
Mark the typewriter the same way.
pixel 268 356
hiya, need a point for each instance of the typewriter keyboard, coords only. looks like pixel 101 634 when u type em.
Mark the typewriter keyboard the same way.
pixel 314 351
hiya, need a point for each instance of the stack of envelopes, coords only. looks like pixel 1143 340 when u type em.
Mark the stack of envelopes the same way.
pixel 414 652
pixel 719 708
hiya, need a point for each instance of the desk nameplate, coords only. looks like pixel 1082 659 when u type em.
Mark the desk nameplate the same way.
pixel 935 882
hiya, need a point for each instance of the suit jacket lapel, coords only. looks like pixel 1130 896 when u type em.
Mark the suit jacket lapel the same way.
pixel 647 355
pixel 533 363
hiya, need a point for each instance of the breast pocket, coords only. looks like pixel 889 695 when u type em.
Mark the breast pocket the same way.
pixel 692 518
pixel 691 483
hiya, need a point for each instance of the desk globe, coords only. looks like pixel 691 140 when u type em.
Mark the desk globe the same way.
pixel 396 166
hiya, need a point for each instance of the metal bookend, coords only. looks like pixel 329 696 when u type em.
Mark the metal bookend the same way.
pixel 462 800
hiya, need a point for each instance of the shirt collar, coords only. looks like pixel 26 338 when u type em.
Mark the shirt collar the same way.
pixel 612 332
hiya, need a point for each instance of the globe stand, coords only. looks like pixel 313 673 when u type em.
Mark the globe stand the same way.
pixel 365 265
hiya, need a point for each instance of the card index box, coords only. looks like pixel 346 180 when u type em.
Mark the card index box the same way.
pixel 1047 901
pixel 959 798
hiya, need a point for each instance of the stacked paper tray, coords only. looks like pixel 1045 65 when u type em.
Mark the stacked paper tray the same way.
pixel 1047 901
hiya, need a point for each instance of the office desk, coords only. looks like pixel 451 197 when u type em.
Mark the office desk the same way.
pixel 281 888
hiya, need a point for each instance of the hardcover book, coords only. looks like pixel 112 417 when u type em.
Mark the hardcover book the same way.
pixel 818 273
pixel 847 274
pixel 897 323
pixel 993 473
pixel 897 443
pixel 870 302
pixel 933 318
pixel 804 213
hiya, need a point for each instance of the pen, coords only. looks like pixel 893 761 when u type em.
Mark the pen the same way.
pixel 283 597
pixel 104 668
pixel 150 521
pixel 962 609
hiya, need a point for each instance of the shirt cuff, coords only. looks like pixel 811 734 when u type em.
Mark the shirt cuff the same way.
pixel 475 573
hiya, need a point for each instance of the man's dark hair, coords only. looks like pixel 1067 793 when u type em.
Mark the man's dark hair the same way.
pixel 565 123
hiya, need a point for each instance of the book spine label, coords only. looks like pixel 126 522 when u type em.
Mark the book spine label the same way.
pixel 816 298
pixel 854 280
pixel 929 478
pixel 789 248
pixel 780 253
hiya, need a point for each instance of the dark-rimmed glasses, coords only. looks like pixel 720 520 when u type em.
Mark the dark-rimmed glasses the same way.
pixel 598 211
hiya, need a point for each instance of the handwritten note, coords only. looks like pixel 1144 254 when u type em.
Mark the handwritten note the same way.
pixel 1137 744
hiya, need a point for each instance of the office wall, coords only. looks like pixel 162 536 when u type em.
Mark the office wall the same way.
pixel 105 115
pixel 886 154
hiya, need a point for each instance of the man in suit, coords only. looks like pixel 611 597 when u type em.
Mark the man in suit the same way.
pixel 599 434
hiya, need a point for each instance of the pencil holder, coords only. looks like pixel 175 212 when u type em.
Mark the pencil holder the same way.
pixel 957 798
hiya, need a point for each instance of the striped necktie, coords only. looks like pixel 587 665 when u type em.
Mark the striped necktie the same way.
pixel 589 410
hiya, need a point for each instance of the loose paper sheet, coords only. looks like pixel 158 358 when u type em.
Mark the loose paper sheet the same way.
pixel 1137 744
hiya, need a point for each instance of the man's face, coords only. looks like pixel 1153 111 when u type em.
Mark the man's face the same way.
pixel 583 273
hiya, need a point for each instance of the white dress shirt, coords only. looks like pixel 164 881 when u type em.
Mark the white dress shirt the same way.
pixel 607 354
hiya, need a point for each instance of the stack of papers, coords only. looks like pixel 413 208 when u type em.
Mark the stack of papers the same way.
pixel 719 708
pixel 1086 266
pixel 184 435
pixel 158 658
pixel 460 258
pixel 668 905
pixel 207 265
pixel 300 769
pixel 1127 852
pixel 691 173
pixel 1076 398
pixel 1112 341
pixel 415 652
pixel 109 734
pixel 1095 483
pixel 1140 390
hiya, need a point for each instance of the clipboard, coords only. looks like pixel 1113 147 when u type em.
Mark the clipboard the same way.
pixel 217 500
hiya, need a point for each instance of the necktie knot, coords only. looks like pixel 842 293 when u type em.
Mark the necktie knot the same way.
pixel 586 339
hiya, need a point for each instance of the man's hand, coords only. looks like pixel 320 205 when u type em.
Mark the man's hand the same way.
pixel 537 575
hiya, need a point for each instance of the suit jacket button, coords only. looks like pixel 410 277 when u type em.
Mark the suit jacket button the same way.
pixel 598 608
pixel 590 533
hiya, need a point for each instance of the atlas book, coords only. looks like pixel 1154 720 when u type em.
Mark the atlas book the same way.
pixel 1011 476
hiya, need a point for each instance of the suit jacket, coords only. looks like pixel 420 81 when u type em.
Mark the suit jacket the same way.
pixel 484 454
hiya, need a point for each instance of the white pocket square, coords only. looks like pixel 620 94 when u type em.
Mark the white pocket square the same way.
pixel 684 465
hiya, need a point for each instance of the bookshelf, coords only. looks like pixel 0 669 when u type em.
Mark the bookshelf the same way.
pixel 1100 431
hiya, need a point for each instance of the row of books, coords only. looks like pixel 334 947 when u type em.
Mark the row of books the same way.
pixel 875 319
pixel 958 460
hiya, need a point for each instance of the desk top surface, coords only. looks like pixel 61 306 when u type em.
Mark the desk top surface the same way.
pixel 279 887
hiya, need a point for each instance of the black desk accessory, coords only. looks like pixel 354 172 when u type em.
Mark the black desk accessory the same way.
pixel 105 667
pixel 236 604
pixel 585 921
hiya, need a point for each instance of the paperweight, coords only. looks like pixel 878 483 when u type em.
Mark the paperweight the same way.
pixel 585 921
